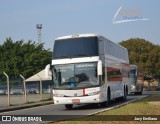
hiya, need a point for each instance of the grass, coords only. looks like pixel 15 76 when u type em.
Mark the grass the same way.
pixel 43 100
pixel 30 102
pixel 140 107
pixel 49 99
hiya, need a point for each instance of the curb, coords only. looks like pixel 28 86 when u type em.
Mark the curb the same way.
pixel 25 106
pixel 110 108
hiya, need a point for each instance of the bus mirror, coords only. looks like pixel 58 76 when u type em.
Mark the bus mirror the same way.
pixel 99 68
pixel 47 70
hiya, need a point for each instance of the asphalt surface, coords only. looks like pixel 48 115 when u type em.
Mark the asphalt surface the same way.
pixel 58 112
pixel 20 99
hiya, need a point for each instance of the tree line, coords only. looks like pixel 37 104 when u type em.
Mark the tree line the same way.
pixel 26 58
pixel 145 55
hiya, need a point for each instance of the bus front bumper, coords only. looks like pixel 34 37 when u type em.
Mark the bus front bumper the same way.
pixel 77 100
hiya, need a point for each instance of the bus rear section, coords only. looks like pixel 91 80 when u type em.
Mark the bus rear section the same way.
pixel 136 79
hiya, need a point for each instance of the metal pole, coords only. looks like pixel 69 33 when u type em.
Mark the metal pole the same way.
pixel 24 86
pixel 41 89
pixel 8 88
pixel 39 27
pixel 50 91
pixel 40 86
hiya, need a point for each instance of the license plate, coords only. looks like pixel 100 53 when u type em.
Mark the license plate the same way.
pixel 75 100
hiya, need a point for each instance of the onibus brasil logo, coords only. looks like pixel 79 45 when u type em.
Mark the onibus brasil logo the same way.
pixel 128 15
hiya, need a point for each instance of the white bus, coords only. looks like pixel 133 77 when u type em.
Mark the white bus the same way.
pixel 89 68
pixel 136 79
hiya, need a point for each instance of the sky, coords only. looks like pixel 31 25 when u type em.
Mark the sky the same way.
pixel 18 19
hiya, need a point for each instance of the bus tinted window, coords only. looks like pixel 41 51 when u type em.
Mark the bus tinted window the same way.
pixel 75 47
pixel 75 76
pixel 114 74
pixel 133 76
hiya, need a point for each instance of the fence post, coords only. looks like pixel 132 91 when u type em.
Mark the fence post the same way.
pixel 41 94
pixel 8 88
pixel 24 86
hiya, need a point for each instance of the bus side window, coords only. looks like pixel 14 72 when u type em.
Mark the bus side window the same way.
pixel 55 74
pixel 101 47
pixel 95 72
pixel 128 73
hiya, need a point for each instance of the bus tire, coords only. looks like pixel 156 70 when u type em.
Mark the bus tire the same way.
pixel 69 106
pixel 140 93
pixel 106 103
pixel 125 94
pixel 136 93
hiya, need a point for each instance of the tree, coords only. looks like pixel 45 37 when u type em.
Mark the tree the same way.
pixel 26 58
pixel 144 54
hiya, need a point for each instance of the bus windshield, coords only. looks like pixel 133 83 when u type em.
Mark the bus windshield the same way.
pixel 75 47
pixel 75 76
pixel 133 76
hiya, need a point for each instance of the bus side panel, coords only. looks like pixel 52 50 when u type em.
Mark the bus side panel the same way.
pixel 116 68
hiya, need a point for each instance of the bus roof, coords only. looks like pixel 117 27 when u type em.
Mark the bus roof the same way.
pixel 133 66
pixel 85 35
pixel 114 42
pixel 76 36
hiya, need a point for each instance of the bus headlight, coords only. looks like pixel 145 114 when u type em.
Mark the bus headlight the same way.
pixel 132 87
pixel 93 93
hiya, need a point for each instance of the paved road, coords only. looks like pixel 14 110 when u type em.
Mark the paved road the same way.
pixel 59 112
pixel 151 92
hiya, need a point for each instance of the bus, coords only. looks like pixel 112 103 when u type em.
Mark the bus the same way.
pixel 88 68
pixel 136 79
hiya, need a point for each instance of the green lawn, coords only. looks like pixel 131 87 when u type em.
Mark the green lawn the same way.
pixel 140 107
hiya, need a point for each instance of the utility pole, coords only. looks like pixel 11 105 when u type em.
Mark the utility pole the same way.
pixel 39 27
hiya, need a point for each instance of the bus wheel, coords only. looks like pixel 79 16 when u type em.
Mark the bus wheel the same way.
pixel 125 94
pixel 135 93
pixel 140 93
pixel 69 106
pixel 106 103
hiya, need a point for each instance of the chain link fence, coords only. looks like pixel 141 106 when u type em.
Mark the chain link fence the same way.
pixel 17 91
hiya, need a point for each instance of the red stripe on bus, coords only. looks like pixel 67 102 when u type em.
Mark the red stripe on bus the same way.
pixel 83 91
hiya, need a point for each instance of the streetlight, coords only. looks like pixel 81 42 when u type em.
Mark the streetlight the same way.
pixel 39 27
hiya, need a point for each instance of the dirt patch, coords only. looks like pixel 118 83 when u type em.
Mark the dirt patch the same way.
pixel 155 103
